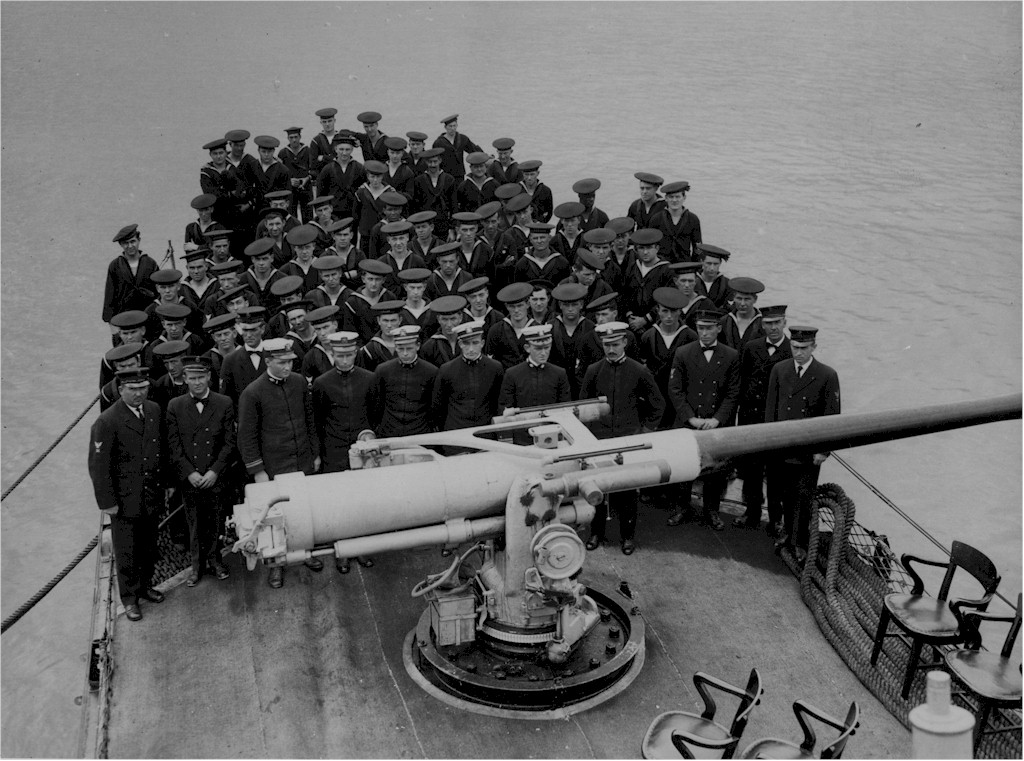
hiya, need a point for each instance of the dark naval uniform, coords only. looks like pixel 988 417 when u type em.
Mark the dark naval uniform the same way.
pixel 275 426
pixel 439 197
pixel 719 291
pixel 342 184
pixel 542 202
pixel 466 393
pixel 341 409
pixel 126 461
pixel 125 291
pixel 639 287
pixel 438 350
pixel 731 336
pixel 680 237
pixel 237 372
pixel 403 395
pixel 530 385
pixel 643 215
pixel 658 355
pixel 453 159
pixel 504 345
pixel 554 269
pixel 317 361
pixel 374 353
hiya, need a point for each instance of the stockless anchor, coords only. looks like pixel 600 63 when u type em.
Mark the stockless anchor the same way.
pixel 516 632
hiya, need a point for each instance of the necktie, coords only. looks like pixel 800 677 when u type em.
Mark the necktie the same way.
pixel 137 412
pixel 799 371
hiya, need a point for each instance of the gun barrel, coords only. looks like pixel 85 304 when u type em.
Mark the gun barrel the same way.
pixel 824 434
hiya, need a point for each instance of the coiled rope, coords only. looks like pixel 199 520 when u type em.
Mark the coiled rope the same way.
pixel 49 449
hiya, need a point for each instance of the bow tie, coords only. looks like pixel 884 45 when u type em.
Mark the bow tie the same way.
pixel 708 348
pixel 252 351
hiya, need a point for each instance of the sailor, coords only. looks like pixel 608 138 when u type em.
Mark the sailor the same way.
pixel 477 188
pixel 341 411
pixel 342 176
pixel 416 310
pixel 242 366
pixel 535 380
pixel 371 140
pixel 586 271
pixel 302 240
pixel 398 173
pixel 643 209
pixel 219 178
pixel 414 158
pixel 127 356
pixel 287 290
pixel 514 241
pixel 434 190
pixel 797 390
pixel 398 256
pixel 261 275
pixel 170 356
pixel 275 427
pixel 203 204
pixel 370 202
pixel 636 407
pixel 541 307
pixel 506 339
pixel 322 217
pixel 392 206
pixel 569 327
pixel 169 290
pixel 704 387
pixel 475 259
pixel 280 199
pixel 443 345
pixel 586 191
pixel 173 320
pixel 711 282
pixel 489 215
pixel 540 262
pixel 271 226
pixel 660 342
pixel 568 237
pixel 454 146
pixel 449 276
pixel 424 241
pixel 621 253
pixel 372 291
pixel 298 160
pixel 200 289
pixel 319 359
pixel 503 194
pixel 221 330
pixel 505 169
pixel 234 299
pixel 219 242
pixel 201 446
pixel 478 308
pixel 684 276
pixel 467 386
pixel 539 193
pixel 332 288
pixel 126 465
pixel 128 286
pixel 321 152
pixel 247 192
pixel 757 357
pixel 743 322
pixel 228 275
pixel 128 327
pixel 381 346
pixel 300 331
pixel 269 173
pixel 644 276
pixel 342 233
pixel 679 226
pixel 404 388
pixel 601 310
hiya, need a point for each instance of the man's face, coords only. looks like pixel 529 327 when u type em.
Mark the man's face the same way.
pixel 175 366
pixel 304 253
pixel 327 124
pixel 647 254
pixel 344 359
pixel 472 347
pixel 205 215
pixel 414 291
pixel 620 244
pixel 540 243
pixel 708 332
pixel 294 140
pixel 744 303
pixel 434 164
pixel 608 314
pixel 218 155
pixel 406 352
pixel 517 311
pixel 224 339
pixel 395 157
pixel 219 249
pixel 167 292
pixel 197 269
pixel 237 147
pixel 128 364
pixel 281 368
pixel 173 329
pixel 266 154
pixel 330 278
pixel 343 152
pixel 505 155
pixel 323 214
pixel 392 213
pixel 252 334
pixel 530 179
pixel 571 310
pixel 614 349
pixel 263 263
pixel 711 265
pixel 372 283
pixel 370 128
pixel 478 170
pixel 399 244
pixel 587 199
pixel 601 250
pixel 647 191
pixel 228 280
pixel 467 233
pixel 134 394
pixel 132 335
pixel 130 247
pixel 374 179
pixel 198 382
pixel 802 350
pixel 774 327
pixel 539 301
pixel 448 263
pixel 525 216
pixel 451 128
pixel 686 282
pixel 477 300
pixel 448 323
pixel 586 276
pixel 279 203
pixel 669 318
pixel 490 224
pixel 675 201
pixel 324 329
pixel 342 239
pixel 275 225
pixel 539 352
pixel 387 323
pixel 238 302
pixel 424 230
pixel 416 147
pixel 297 320
pixel 571 225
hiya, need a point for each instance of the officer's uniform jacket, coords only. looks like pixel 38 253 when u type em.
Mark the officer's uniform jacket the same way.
pixel 200 441
pixel 341 409
pixel 126 460
pixel 755 369
pixel 699 388
pixel 634 398
pixel 275 426
pixel 791 398
pixel 402 398
pixel 530 385
pixel 237 372
pixel 466 393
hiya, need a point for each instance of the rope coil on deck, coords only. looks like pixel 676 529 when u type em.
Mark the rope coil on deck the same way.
pixel 848 573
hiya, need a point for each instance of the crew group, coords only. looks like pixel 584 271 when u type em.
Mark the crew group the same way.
pixel 375 312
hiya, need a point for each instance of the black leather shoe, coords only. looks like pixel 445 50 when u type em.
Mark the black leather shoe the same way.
pixel 221 571
pixel 276 577
pixel 193 579
pixel 315 564
pixel 628 547
pixel 152 595
pixel 365 562
pixel 594 542
pixel 343 565
pixel 676 518
pixel 714 522
pixel 132 612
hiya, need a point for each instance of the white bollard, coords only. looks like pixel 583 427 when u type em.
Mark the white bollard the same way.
pixel 940 729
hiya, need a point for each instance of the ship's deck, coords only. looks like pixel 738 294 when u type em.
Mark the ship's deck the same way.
pixel 312 670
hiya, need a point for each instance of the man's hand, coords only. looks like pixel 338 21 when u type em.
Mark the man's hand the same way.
pixel 818 459
pixel 261 477
pixel 210 478
pixel 195 479
pixel 110 510
pixel 710 423
pixel 696 422
pixel 637 323
pixel 316 465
